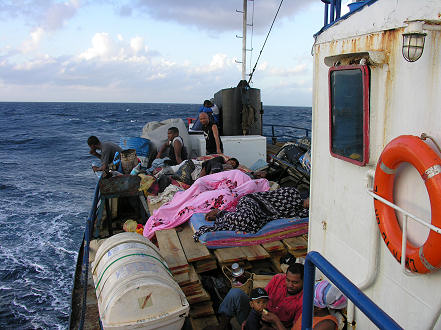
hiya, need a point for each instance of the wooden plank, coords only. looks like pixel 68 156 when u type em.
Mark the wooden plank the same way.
pixel 182 278
pixel 201 323
pixel 194 251
pixel 299 253
pixel 171 250
pixel 260 281
pixel 255 252
pixel 180 270
pixel 229 255
pixel 295 243
pixel 197 298
pixel 274 246
pixel 191 290
pixel 194 285
pixel 202 266
pixel 193 278
pixel 275 260
pixel 201 310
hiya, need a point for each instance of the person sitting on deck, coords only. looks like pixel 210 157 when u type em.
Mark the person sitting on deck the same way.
pixel 326 296
pixel 218 164
pixel 285 292
pixel 213 143
pixel 108 151
pixel 177 151
pixel 255 210
pixel 258 302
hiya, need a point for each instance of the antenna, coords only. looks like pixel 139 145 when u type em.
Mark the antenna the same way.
pixel 244 39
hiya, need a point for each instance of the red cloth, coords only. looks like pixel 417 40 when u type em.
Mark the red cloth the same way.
pixel 287 308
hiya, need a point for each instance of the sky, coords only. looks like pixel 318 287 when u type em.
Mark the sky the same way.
pixel 167 51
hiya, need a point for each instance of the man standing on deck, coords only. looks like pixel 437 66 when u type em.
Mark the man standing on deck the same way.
pixel 108 150
pixel 285 293
pixel 213 142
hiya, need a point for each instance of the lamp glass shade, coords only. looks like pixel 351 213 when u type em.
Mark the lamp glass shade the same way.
pixel 413 46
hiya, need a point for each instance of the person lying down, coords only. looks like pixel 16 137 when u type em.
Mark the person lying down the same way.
pixel 255 210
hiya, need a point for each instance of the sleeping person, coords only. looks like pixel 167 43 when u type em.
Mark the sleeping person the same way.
pixel 255 210
pixel 220 190
pixel 218 164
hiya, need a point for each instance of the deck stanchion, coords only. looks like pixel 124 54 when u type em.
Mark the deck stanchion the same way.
pixel 88 232
pixel 363 302
pixel 308 293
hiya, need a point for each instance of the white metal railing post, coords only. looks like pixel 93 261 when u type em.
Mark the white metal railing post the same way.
pixel 399 209
pixel 403 244
pixel 407 215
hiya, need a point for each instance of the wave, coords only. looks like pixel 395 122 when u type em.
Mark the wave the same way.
pixel 5 142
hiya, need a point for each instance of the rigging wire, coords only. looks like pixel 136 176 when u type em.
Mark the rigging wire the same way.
pixel 257 61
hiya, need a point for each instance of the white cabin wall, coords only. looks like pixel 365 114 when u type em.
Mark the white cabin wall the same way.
pixel 405 99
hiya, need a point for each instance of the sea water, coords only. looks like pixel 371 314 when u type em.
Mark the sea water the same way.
pixel 46 191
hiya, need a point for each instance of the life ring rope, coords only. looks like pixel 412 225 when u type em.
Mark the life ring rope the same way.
pixel 413 150
pixel 431 172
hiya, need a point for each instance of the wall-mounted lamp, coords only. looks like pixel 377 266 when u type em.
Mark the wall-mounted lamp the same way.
pixel 413 41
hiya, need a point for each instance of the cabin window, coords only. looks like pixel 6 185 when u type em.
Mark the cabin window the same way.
pixel 349 113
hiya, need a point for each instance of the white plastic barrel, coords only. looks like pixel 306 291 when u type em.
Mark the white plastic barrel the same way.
pixel 134 287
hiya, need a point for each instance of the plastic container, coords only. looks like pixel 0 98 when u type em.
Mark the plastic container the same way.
pixel 141 145
pixel 134 287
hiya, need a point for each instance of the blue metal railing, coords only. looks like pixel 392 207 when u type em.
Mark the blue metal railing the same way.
pixel 274 136
pixel 87 234
pixel 334 13
pixel 366 305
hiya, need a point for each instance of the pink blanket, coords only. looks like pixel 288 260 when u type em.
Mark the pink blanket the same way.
pixel 220 190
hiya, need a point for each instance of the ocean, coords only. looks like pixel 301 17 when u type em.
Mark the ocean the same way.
pixel 46 191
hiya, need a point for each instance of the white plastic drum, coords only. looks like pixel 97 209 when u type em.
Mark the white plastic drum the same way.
pixel 134 287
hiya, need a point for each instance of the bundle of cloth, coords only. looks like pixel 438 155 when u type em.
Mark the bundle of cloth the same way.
pixel 221 191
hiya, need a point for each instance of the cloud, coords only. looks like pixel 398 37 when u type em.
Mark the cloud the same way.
pixel 47 14
pixel 58 13
pixel 137 44
pixel 300 68
pixel 216 16
pixel 102 46
pixel 34 40
pixel 124 11
pixel 118 67
pixel 106 48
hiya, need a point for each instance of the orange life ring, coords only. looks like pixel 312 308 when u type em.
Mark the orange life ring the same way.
pixel 411 149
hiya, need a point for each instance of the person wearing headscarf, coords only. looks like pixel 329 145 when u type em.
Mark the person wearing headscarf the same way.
pixel 326 296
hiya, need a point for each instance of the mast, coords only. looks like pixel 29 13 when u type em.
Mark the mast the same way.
pixel 244 39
